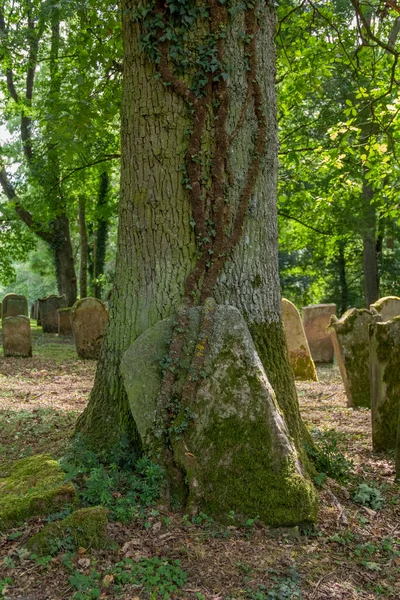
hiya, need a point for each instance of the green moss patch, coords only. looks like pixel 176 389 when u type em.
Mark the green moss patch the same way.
pixel 83 528
pixel 35 486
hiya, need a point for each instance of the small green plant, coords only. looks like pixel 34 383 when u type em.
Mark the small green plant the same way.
pixel 328 460
pixel 160 578
pixel 368 496
pixel 88 586
pixel 117 480
pixel 4 583
pixel 283 588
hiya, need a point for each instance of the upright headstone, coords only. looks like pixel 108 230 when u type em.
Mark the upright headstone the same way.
pixel 299 353
pixel 64 321
pixel 388 307
pixel 89 318
pixel 385 382
pixel 17 339
pixel 14 305
pixel 316 319
pixel 350 337
pixel 48 312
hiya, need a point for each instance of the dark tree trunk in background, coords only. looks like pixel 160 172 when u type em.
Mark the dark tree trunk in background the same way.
pixel 370 259
pixel 64 259
pixel 83 247
pixel 344 290
pixel 100 244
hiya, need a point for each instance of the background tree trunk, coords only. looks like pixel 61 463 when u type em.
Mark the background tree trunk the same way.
pixel 83 247
pixel 100 243
pixel 156 245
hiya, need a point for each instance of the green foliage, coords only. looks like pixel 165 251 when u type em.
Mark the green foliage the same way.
pixel 4 583
pixel 368 496
pixel 88 586
pixel 283 588
pixel 118 480
pixel 160 577
pixel 328 460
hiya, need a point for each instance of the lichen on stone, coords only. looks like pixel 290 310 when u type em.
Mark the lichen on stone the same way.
pixel 36 486
pixel 83 528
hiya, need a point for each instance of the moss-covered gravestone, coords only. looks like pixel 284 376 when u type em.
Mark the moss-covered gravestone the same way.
pixel 228 438
pixel 48 308
pixel 316 319
pixel 388 307
pixel 350 337
pixel 84 528
pixel 299 352
pixel 17 339
pixel 35 486
pixel 385 382
pixel 14 305
pixel 65 322
pixel 89 319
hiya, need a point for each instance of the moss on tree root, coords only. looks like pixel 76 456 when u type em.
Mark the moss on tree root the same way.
pixel 35 487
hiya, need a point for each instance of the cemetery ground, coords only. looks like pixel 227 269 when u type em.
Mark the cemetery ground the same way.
pixel 353 552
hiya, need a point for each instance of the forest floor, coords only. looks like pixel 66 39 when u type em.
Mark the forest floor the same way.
pixel 352 553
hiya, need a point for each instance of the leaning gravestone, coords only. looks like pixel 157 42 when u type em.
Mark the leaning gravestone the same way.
pixel 17 339
pixel 385 382
pixel 14 305
pixel 64 321
pixel 388 307
pixel 299 353
pixel 350 337
pixel 230 441
pixel 316 319
pixel 89 318
pixel 48 312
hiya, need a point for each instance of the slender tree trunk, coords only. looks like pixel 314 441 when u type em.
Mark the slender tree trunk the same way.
pixel 64 259
pixel 156 241
pixel 84 247
pixel 344 290
pixel 370 261
pixel 101 235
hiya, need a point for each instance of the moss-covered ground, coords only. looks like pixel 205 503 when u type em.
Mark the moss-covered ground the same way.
pixel 353 552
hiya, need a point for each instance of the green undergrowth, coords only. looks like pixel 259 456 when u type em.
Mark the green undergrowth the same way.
pixel 118 480
pixel 327 458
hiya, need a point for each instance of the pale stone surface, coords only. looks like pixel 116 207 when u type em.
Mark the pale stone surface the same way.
pixel 299 352
pixel 89 318
pixel 388 307
pixel 385 382
pixel 17 339
pixel 231 441
pixel 316 319
pixel 48 312
pixel 14 305
pixel 350 337
pixel 64 321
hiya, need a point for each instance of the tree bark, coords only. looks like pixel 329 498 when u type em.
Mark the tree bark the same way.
pixel 156 239
pixel 84 247
pixel 101 236
pixel 370 260
pixel 64 259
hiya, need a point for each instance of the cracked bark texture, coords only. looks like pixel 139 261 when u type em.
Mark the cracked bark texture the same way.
pixel 156 245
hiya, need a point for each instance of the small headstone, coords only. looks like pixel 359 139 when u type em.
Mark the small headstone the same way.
pixel 89 318
pixel 388 307
pixel 48 312
pixel 14 305
pixel 350 337
pixel 17 339
pixel 316 319
pixel 385 382
pixel 299 352
pixel 64 321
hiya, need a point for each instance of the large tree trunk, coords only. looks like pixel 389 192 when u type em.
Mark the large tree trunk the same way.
pixel 156 239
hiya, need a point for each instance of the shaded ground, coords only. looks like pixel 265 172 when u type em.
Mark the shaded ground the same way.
pixel 353 553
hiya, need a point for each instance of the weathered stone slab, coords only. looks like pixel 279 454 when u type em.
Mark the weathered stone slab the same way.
pixel 35 486
pixel 17 339
pixel 14 305
pixel 385 382
pixel 89 318
pixel 316 319
pixel 231 440
pixel 65 322
pixel 388 307
pixel 48 312
pixel 299 352
pixel 350 337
